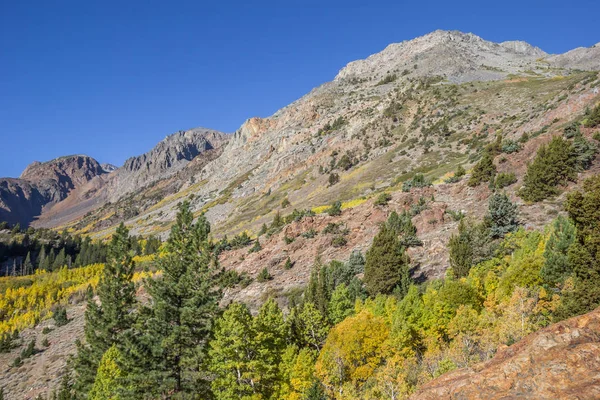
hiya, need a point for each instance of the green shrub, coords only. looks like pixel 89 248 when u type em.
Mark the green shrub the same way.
pixel 510 146
pixel 593 117
pixel 418 181
pixel 288 264
pixel 285 203
pixel 333 179
pixel 264 276
pixel 383 199
pixel 484 170
pixel 339 241
pixel 256 247
pixel 458 174
pixel 309 234
pixel 505 179
pixel 60 316
pixel 387 79
pixel 287 239
pixel 45 342
pixel 572 130
pixel 335 209
pixel 502 215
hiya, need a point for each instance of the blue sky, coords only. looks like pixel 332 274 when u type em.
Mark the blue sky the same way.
pixel 112 78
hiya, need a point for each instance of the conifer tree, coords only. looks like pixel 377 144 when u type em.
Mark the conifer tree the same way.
pixel 60 260
pixel 552 167
pixel 584 253
pixel 41 260
pixel 386 264
pixel 184 305
pixel 484 170
pixel 28 266
pixel 461 251
pixel 107 321
pixel 502 215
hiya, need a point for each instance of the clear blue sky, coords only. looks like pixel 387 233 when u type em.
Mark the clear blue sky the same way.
pixel 112 78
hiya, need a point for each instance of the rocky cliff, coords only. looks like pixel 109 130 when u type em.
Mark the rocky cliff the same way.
pixel 42 184
pixel 561 361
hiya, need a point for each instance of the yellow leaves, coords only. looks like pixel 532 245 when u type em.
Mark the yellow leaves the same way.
pixel 354 349
pixel 24 306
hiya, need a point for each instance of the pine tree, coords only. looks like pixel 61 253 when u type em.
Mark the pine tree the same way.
pixel 556 252
pixel 502 215
pixel 552 167
pixel 107 321
pixel 60 260
pixel 584 253
pixel 28 267
pixel 386 264
pixel 484 170
pixel 184 304
pixel 461 251
pixel 41 260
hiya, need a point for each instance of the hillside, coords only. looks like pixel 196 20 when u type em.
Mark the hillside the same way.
pixel 421 139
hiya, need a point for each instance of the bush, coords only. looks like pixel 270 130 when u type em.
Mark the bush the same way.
pixel 264 276
pixel 60 316
pixel 596 136
pixel 288 264
pixel 309 234
pixel 593 118
pixel 288 239
pixel 285 203
pixel 383 199
pixel 387 79
pixel 510 146
pixel 505 179
pixel 484 170
pixel 45 342
pixel 256 248
pixel 335 209
pixel 338 241
pixel 333 179
pixel 418 181
pixel 572 130
pixel 458 174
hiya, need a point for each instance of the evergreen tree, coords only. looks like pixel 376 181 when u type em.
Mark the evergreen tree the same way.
pixel 107 321
pixel 484 170
pixel 28 266
pixel 386 264
pixel 60 260
pixel 41 259
pixel 184 305
pixel 552 167
pixel 502 215
pixel 461 251
pixel 556 252
pixel 584 253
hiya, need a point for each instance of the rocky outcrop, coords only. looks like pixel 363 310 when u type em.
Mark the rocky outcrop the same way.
pixel 585 58
pixel 457 56
pixel 42 184
pixel 561 361
pixel 164 160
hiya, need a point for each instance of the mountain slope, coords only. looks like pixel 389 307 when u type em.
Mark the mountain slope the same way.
pixel 43 184
pixel 561 361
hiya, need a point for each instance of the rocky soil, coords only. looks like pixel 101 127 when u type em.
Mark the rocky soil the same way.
pixel 561 361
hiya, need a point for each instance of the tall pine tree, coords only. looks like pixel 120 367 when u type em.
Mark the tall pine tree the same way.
pixel 107 320
pixel 184 305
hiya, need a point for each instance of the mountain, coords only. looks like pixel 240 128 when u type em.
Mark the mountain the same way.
pixel 42 184
pixel 421 108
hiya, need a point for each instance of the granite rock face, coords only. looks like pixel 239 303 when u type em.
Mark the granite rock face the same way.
pixel 561 361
